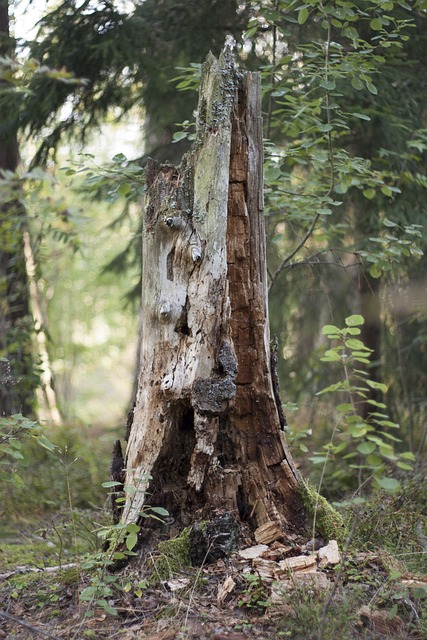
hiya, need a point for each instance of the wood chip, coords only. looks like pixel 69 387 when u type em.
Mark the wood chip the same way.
pixel 178 583
pixel 253 552
pixel 268 532
pixel 414 583
pixel 278 552
pixel 265 568
pixel 329 556
pixel 316 580
pixel 224 589
pixel 307 564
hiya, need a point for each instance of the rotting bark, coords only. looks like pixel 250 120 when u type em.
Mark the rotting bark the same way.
pixel 206 435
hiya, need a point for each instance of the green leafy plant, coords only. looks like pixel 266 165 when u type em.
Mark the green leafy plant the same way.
pixel 120 541
pixel 255 594
pixel 13 431
pixel 362 445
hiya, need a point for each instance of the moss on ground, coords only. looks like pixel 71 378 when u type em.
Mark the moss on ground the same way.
pixel 327 521
pixel 27 554
pixel 173 555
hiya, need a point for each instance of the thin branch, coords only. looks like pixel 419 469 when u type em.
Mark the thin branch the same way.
pixel 312 227
pixel 294 252
pixel 7 616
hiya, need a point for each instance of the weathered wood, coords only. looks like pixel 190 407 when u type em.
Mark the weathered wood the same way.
pixel 206 431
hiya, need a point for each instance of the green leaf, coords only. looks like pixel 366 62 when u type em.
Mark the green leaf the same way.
pixel 354 343
pixel 386 191
pixel 369 193
pixel 272 172
pixel 357 430
pixel 343 408
pixel 330 329
pixel 179 135
pixel 332 387
pixel 408 455
pixel 391 485
pixel 376 271
pixel 356 84
pixel 44 442
pixel 124 189
pixel 160 511
pixel 318 459
pixel 361 116
pixel 119 158
pixel 366 448
pixel 376 24
pixel 107 607
pixel 324 212
pixel 377 385
pixel 329 85
pixel 389 223
pixel 353 331
pixel 331 356
pixel 404 465
pixel 131 540
pixel 354 320
pixel 374 460
pixel 108 485
pixel 372 88
pixel 303 15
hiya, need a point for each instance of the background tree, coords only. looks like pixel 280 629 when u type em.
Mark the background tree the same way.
pixel 18 377
pixel 347 161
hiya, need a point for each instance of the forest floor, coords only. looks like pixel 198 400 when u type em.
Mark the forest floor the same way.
pixel 376 592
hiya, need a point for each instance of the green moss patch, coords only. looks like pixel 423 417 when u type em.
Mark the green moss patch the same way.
pixel 173 556
pixel 328 522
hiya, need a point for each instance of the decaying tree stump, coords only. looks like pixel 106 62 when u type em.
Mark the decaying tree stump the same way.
pixel 206 436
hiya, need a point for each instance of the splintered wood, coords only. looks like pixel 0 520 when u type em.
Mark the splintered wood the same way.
pixel 270 564
pixel 276 564
pixel 268 532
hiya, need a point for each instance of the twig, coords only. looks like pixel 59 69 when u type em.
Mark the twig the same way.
pixel 7 616
pixel 288 258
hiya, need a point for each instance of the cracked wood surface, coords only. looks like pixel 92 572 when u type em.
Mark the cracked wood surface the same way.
pixel 206 429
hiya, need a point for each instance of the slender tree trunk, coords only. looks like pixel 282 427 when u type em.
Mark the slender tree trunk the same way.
pixel 17 380
pixel 207 435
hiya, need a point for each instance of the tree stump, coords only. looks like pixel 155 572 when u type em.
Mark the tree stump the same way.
pixel 206 437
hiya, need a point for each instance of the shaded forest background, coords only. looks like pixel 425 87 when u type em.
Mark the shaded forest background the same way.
pixel 89 90
pixel 101 86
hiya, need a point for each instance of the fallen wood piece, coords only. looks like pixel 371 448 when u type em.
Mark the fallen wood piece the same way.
pixel 268 532
pixel 315 580
pixel 329 556
pixel 266 569
pixel 224 589
pixel 253 552
pixel 297 564
pixel 414 583
pixel 277 552
pixel 178 583
pixel 23 569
